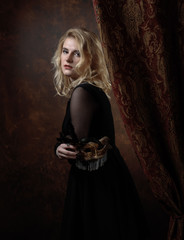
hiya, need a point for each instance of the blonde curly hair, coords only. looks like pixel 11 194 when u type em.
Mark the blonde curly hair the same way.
pixel 91 68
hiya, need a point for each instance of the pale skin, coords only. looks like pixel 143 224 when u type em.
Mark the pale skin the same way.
pixel 70 56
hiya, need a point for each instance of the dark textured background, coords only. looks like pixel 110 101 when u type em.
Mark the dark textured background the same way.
pixel 32 179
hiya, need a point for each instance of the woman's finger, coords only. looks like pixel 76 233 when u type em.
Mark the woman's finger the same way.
pixel 66 151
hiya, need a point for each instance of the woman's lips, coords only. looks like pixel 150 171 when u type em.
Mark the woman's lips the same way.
pixel 67 67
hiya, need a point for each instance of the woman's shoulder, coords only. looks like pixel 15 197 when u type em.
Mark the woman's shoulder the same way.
pixel 91 91
pixel 90 88
pixel 84 92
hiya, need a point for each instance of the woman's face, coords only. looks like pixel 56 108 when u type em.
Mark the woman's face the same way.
pixel 70 56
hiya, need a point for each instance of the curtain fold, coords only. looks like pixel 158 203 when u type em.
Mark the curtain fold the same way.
pixel 144 50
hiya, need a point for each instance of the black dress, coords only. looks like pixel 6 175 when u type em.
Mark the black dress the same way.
pixel 101 203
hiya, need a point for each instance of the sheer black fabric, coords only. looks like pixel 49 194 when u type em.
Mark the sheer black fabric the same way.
pixel 102 203
pixel 88 114
pixel 82 109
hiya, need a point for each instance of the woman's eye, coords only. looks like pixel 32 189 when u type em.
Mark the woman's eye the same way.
pixel 77 54
pixel 65 51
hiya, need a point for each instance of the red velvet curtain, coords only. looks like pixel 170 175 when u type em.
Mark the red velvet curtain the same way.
pixel 144 50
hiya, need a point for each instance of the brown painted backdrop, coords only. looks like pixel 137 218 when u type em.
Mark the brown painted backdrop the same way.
pixel 32 179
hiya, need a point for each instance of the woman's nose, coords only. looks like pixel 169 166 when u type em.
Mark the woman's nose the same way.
pixel 69 58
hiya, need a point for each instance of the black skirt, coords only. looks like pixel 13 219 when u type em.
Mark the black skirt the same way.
pixel 103 203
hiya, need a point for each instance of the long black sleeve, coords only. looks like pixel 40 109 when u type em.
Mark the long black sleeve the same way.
pixel 82 109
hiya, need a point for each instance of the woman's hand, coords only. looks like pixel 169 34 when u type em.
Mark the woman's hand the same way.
pixel 66 151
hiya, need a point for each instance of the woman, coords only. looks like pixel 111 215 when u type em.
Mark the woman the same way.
pixel 101 199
